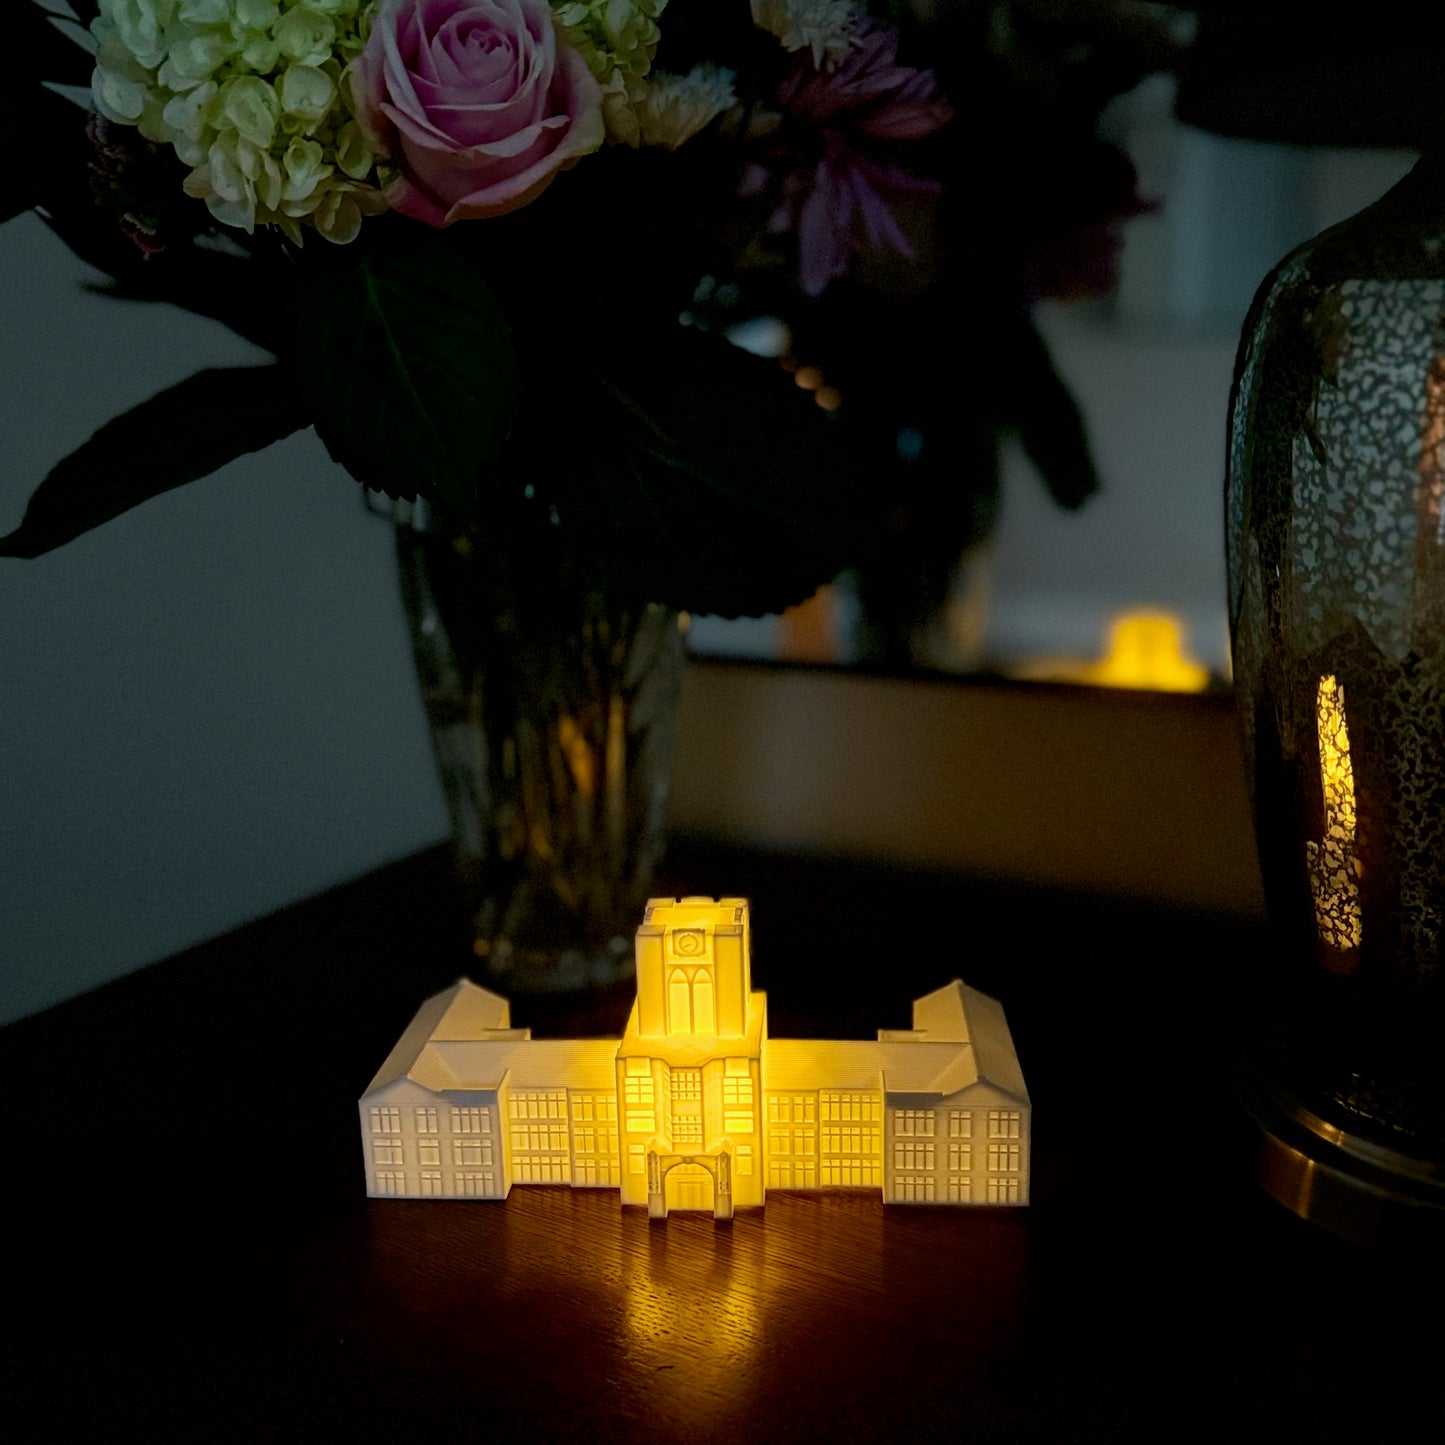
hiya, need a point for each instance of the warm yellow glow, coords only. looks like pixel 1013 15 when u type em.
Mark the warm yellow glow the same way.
pixel 720 1317
pixel 1333 868
pixel 1337 773
pixel 575 748
pixel 808 631
pixel 694 1108
pixel 810 378
pixel 679 1003
pixel 703 1021
pixel 1147 650
pixel 828 397
pixel 690 1061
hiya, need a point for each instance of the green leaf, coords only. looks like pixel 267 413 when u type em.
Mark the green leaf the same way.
pixel 1034 401
pixel 705 478
pixel 406 361
pixel 178 436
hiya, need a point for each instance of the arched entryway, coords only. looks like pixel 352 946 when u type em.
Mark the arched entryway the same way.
pixel 689 1181
pixel 688 1186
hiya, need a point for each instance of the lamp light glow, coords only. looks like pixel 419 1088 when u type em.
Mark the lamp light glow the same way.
pixel 1333 867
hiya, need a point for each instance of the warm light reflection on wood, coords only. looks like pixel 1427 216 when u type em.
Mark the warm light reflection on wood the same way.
pixel 1333 868
pixel 698 1332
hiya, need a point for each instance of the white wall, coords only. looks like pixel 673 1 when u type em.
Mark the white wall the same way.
pixel 1151 369
pixel 1154 534
pixel 206 707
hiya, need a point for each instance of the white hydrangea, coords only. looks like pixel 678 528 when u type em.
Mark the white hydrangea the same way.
pixel 618 40
pixel 819 26
pixel 676 107
pixel 249 94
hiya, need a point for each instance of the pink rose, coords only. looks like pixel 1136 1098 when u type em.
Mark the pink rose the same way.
pixel 475 103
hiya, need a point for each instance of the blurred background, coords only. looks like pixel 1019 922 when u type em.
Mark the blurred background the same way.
pixel 208 708
pixel 1150 366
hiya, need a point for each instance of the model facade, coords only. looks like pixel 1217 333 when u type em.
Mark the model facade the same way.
pixel 696 1107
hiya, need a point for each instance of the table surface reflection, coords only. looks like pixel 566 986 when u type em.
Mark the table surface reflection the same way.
pixel 192 1255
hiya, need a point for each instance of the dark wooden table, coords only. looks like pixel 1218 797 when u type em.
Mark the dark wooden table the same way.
pixel 191 1255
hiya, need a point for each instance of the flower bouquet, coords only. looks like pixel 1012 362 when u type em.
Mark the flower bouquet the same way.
pixel 494 247
pixel 510 258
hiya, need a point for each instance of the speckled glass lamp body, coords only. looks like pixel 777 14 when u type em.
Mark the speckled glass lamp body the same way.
pixel 1337 607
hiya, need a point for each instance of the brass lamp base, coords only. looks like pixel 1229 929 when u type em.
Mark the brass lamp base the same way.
pixel 1357 1189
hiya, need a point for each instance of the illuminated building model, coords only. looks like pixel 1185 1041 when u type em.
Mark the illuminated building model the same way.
pixel 696 1107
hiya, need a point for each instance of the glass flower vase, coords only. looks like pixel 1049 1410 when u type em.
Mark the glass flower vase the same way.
pixel 551 696
pixel 1336 506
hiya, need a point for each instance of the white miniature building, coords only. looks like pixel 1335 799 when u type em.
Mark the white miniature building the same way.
pixel 696 1107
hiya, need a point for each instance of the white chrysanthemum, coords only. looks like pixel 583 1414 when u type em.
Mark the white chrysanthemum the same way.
pixel 819 26
pixel 676 107
pixel 250 97
pixel 618 40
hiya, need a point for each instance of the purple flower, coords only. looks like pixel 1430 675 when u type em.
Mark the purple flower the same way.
pixel 843 200
pixel 869 94
pixel 848 201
